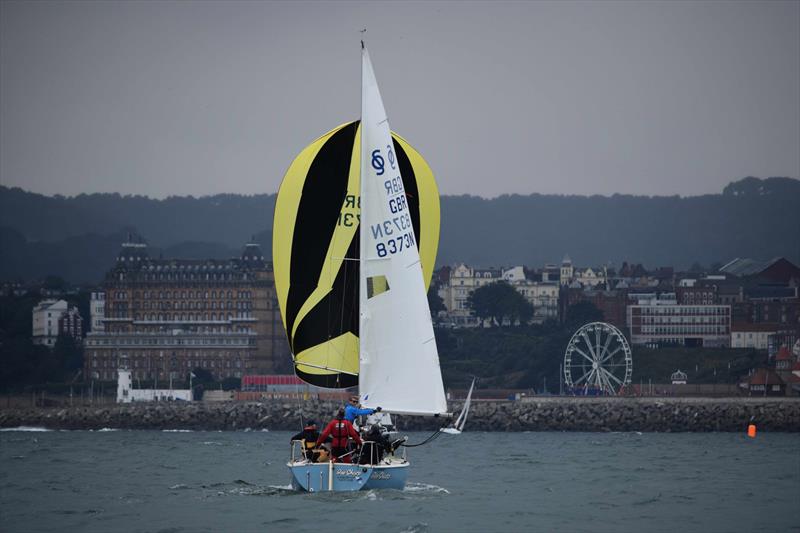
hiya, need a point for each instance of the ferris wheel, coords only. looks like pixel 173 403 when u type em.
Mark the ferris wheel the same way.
pixel 597 360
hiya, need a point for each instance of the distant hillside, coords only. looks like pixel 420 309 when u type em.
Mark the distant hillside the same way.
pixel 77 237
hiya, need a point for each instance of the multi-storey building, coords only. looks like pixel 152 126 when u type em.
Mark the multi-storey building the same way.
pixel 590 277
pixel 566 270
pixel 543 296
pixel 463 280
pixel 165 317
pixel 71 323
pixel 97 310
pixel 657 320
pixel 52 318
pixel 45 321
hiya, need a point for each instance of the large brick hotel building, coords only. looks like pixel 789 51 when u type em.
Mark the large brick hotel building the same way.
pixel 165 317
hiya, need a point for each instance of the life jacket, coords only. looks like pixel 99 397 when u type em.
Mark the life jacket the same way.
pixel 340 433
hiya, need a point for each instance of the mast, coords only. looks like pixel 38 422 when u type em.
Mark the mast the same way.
pixel 362 235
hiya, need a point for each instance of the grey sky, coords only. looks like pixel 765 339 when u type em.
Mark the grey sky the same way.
pixel 178 98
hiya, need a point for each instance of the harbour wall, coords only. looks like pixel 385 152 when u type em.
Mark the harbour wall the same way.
pixel 531 414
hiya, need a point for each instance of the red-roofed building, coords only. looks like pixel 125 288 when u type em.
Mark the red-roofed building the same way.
pixel 766 382
pixel 787 367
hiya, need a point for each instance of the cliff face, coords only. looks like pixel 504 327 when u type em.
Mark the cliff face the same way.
pixel 535 414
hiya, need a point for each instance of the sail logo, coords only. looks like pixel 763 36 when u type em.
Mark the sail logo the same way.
pixel 390 155
pixel 377 162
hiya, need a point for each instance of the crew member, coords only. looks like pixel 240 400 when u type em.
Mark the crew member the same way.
pixel 376 445
pixel 342 432
pixel 309 437
pixel 354 409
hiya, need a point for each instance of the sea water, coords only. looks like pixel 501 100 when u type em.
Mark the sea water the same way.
pixel 161 481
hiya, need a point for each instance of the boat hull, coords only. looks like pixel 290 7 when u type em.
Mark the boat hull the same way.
pixel 324 477
pixel 392 476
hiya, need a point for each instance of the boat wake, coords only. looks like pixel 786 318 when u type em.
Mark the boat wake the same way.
pixel 238 487
pixel 26 428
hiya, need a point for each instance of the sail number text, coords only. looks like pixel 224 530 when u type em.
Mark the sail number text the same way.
pixel 395 245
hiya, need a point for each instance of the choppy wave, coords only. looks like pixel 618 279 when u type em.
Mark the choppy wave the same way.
pixel 425 487
pixel 177 430
pixel 26 428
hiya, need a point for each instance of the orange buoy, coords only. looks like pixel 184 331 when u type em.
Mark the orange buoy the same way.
pixel 751 431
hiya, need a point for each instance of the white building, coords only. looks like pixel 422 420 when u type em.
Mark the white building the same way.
pixel 543 296
pixel 97 309
pixel 566 270
pixel 127 394
pixel 752 335
pixel 589 277
pixel 657 320
pixel 464 280
pixel 45 321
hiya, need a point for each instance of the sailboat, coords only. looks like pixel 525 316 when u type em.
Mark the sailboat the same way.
pixel 461 421
pixel 355 237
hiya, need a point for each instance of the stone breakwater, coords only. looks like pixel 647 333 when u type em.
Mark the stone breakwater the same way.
pixel 532 414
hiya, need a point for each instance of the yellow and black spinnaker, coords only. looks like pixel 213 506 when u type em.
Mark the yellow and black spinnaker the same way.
pixel 315 249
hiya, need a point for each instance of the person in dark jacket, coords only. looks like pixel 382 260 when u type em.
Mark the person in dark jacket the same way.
pixel 342 432
pixel 376 445
pixel 309 437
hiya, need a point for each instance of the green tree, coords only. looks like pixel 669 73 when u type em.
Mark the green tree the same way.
pixel 68 352
pixel 435 301
pixel 582 313
pixel 498 301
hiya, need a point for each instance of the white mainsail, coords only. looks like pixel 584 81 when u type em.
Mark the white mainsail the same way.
pixel 399 363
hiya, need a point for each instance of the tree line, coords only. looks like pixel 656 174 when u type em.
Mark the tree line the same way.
pixel 78 237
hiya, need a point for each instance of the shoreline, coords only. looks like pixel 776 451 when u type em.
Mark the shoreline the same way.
pixel 532 414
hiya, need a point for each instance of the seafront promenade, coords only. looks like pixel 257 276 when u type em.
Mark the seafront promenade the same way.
pixel 531 414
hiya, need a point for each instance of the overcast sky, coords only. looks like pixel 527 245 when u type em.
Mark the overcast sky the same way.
pixel 179 98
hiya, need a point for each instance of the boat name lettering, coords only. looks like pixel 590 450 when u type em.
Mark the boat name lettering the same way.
pixel 380 475
pixel 377 162
pixel 341 473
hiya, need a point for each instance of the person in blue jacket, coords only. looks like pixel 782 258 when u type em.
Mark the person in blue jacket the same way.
pixel 354 409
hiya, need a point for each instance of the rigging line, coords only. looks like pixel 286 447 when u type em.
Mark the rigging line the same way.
pixel 341 307
pixel 433 437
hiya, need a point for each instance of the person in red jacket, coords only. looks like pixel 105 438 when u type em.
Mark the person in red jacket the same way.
pixel 342 431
